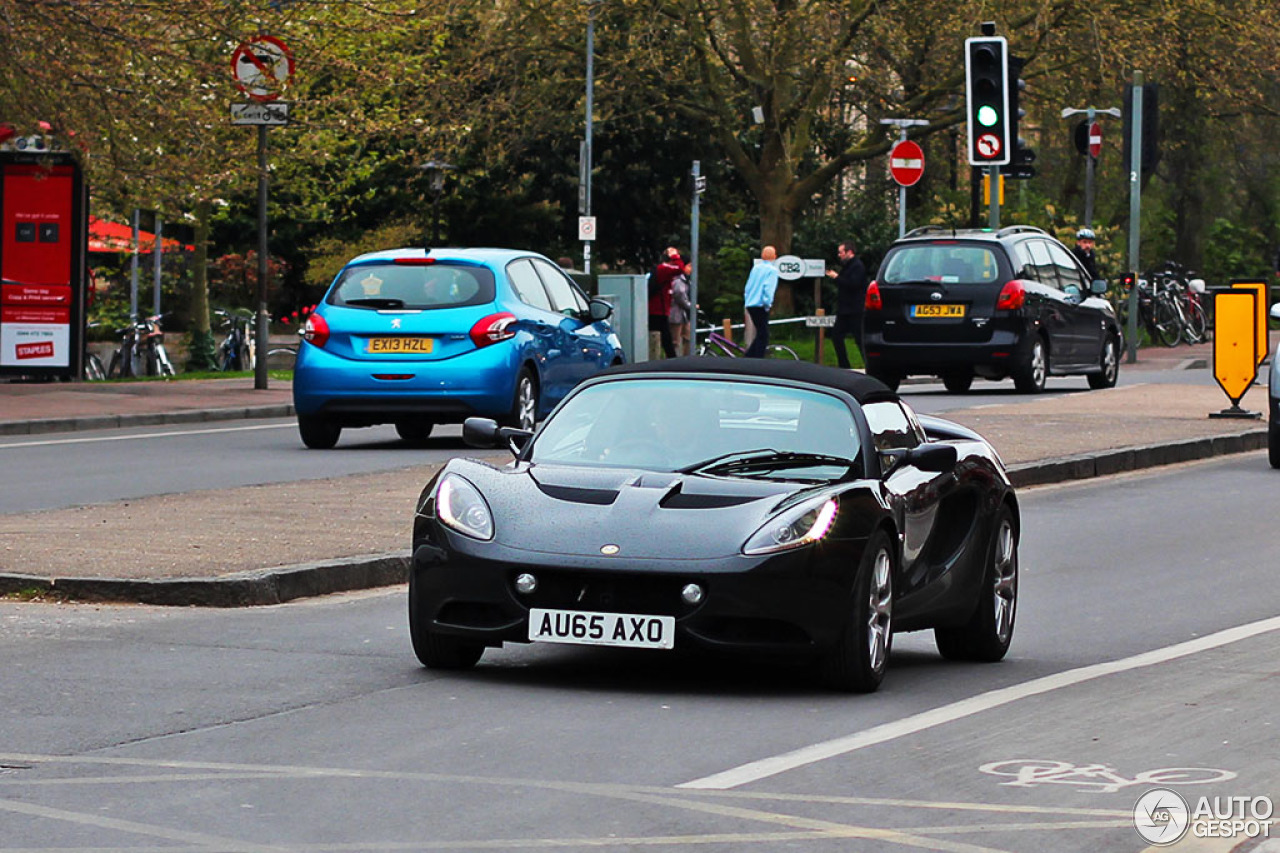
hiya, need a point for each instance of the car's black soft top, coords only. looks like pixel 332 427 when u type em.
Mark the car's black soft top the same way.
pixel 863 388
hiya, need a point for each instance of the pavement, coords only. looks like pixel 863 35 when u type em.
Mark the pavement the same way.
pixel 269 544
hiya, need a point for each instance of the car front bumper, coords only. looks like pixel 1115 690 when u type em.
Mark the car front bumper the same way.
pixel 791 602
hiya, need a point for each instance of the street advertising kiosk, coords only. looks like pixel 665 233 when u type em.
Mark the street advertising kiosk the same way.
pixel 44 228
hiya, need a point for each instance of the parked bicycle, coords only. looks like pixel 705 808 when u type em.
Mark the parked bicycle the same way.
pixel 1169 309
pixel 93 369
pixel 717 344
pixel 237 351
pixel 1183 290
pixel 141 351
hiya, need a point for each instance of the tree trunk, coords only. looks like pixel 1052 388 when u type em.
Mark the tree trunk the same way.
pixel 202 356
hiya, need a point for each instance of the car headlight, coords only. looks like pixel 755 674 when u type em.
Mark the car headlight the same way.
pixel 796 527
pixel 460 506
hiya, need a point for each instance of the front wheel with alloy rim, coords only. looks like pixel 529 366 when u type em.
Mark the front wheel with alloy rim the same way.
pixel 436 650
pixel 858 660
pixel 989 631
pixel 524 406
pixel 1110 364
pixel 1030 374
pixel 318 433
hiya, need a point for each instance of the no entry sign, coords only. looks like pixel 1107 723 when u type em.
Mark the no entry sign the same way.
pixel 906 163
pixel 1095 140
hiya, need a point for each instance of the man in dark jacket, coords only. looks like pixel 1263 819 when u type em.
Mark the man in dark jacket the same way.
pixel 660 302
pixel 851 292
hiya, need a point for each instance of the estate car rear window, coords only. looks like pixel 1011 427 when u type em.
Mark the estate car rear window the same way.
pixel 948 263
pixel 413 287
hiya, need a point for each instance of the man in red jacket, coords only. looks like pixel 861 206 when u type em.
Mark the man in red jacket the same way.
pixel 660 301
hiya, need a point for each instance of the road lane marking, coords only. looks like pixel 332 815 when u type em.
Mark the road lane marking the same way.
pixel 764 768
pixel 91 440
pixel 213 842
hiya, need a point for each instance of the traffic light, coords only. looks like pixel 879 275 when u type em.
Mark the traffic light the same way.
pixel 1150 127
pixel 1020 156
pixel 986 72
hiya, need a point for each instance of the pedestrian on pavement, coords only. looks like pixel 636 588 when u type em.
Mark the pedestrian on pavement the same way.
pixel 851 293
pixel 660 301
pixel 757 296
pixel 1084 253
pixel 681 312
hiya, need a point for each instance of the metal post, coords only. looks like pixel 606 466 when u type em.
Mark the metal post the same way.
pixel 693 250
pixel 1135 210
pixel 993 187
pixel 1088 169
pixel 586 149
pixel 263 331
pixel 133 266
pixel 158 257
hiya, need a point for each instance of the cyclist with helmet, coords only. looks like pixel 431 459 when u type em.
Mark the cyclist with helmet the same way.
pixel 1084 253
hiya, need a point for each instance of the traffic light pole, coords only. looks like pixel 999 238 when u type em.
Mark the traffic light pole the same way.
pixel 1135 211
pixel 993 186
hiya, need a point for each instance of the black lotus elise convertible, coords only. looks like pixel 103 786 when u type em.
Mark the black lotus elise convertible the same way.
pixel 732 504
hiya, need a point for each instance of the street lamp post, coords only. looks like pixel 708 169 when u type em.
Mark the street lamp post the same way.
pixel 584 186
pixel 435 170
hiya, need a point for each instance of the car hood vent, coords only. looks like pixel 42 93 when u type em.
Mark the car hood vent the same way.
pixel 597 497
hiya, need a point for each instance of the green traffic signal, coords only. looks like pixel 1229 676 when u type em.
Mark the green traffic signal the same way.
pixel 987 115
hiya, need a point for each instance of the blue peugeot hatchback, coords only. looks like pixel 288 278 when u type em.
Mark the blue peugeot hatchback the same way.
pixel 417 337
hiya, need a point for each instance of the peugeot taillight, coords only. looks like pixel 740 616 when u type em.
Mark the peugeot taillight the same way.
pixel 873 301
pixel 494 328
pixel 316 331
pixel 1011 297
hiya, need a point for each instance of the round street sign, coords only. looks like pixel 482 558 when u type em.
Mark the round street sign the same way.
pixel 261 66
pixel 906 163
pixel 1095 140
pixel 988 146
pixel 790 267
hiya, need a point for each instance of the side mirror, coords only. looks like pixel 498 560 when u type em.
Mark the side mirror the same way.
pixel 480 432
pixel 486 434
pixel 599 310
pixel 1099 286
pixel 934 457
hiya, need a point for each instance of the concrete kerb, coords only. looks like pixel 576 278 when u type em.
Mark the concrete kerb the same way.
pixel 183 416
pixel 242 589
pixel 1107 463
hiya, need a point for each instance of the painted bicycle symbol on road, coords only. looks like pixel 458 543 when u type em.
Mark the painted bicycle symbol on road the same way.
pixel 1099 778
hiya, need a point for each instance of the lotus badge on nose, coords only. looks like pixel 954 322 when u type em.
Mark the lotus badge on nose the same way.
pixel 609 550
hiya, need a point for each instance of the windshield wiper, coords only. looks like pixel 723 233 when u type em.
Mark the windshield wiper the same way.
pixel 766 459
pixel 376 302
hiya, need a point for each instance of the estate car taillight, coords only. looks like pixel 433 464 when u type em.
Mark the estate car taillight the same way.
pixel 316 331
pixel 1011 297
pixel 873 301
pixel 494 328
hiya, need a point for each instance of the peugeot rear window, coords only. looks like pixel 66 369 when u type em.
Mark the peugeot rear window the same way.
pixel 414 287
pixel 949 263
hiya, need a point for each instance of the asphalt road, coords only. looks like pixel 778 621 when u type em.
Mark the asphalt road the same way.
pixel 310 726
pixel 71 469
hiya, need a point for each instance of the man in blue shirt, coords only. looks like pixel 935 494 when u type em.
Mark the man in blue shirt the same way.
pixel 758 298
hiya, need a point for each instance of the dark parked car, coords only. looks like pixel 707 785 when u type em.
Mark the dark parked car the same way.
pixel 419 337
pixel 996 304
pixel 737 505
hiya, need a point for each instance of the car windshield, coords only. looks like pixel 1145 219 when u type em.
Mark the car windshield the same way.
pixel 948 263
pixel 412 287
pixel 706 426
